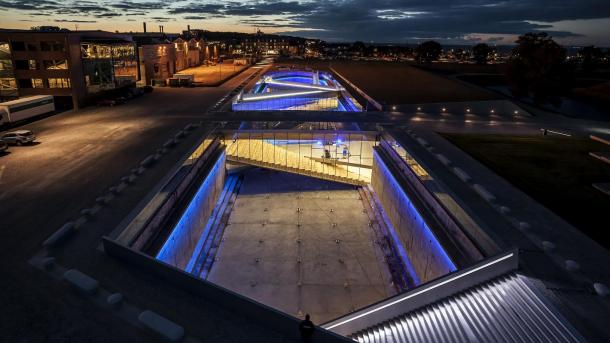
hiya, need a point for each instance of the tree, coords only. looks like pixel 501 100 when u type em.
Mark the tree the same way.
pixel 538 68
pixel 428 51
pixel 591 57
pixel 481 52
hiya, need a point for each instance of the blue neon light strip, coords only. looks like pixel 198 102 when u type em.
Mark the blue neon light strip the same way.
pixel 404 199
pixel 181 233
pixel 263 89
pixel 202 239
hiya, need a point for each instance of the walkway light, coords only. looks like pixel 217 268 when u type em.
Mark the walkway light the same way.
pixel 419 108
pixel 516 112
pixel 443 109
pixel 393 108
pixel 492 111
pixel 468 110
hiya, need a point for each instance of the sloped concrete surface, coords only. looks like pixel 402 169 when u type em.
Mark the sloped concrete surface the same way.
pixel 281 248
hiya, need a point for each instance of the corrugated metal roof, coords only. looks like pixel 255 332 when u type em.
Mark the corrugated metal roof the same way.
pixel 506 309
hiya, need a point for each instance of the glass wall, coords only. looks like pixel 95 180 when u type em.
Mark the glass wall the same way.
pixel 331 154
pixel 8 84
pixel 405 156
pixel 107 66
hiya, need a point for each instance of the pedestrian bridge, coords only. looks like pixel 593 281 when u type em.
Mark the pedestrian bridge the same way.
pixel 345 157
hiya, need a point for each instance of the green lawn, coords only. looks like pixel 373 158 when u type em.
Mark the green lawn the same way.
pixel 557 172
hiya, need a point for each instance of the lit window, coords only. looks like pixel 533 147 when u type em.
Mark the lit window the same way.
pixel 59 83
pixel 55 64
pixel 37 83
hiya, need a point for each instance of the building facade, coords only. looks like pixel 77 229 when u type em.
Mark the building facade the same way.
pixel 73 66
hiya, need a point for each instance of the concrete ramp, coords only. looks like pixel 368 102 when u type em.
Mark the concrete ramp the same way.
pixel 265 154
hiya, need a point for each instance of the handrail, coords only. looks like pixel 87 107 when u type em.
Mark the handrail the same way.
pixel 371 101
pixel 489 249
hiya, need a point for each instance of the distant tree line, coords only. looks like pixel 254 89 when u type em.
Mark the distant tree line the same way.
pixel 538 67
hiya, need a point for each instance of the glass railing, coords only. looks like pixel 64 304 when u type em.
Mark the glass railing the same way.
pixel 337 155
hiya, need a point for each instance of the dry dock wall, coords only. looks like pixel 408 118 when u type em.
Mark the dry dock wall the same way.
pixel 426 255
pixel 178 248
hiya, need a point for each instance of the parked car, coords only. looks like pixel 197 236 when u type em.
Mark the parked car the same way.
pixel 106 102
pixel 3 146
pixel 18 137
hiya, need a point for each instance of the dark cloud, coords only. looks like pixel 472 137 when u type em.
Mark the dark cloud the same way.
pixel 129 5
pixel 194 8
pixel 195 17
pixel 368 20
pixel 74 21
pixel 163 19
pixel 398 21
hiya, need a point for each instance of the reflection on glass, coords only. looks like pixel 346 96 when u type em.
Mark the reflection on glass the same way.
pixel 334 156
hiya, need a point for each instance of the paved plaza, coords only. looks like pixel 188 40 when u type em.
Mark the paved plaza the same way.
pixel 301 245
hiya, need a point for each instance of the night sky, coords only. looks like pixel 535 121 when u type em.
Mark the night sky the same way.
pixel 576 22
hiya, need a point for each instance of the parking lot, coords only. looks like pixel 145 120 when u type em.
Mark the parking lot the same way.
pixel 77 156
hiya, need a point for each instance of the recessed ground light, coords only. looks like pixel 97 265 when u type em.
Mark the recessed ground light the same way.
pixel 443 109
pixel 468 110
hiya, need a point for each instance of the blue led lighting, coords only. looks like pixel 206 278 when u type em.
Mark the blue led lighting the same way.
pixel 291 80
pixel 435 245
pixel 181 238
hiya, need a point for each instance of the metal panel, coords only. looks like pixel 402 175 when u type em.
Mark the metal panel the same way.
pixel 506 309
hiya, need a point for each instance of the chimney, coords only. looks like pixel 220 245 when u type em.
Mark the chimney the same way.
pixel 144 25
pixel 188 28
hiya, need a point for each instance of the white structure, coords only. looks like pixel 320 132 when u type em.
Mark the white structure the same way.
pixel 24 108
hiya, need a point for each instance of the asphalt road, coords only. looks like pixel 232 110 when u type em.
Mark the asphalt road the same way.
pixel 77 157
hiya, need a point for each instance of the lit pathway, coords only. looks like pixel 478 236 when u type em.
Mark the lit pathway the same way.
pixel 280 157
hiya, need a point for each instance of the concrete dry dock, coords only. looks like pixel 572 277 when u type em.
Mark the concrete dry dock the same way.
pixel 301 245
